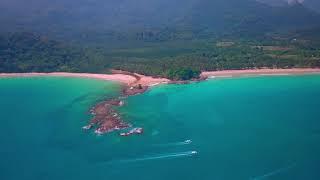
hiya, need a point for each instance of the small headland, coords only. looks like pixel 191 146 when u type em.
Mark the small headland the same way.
pixel 106 119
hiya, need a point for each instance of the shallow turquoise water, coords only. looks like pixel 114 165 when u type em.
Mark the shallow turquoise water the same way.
pixel 242 128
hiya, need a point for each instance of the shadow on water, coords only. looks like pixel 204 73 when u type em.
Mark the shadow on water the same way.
pixel 62 120
pixel 83 99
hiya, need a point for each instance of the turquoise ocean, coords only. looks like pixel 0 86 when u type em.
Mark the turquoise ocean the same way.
pixel 238 129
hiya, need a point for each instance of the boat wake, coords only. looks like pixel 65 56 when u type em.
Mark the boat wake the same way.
pixel 273 173
pixel 161 156
pixel 186 142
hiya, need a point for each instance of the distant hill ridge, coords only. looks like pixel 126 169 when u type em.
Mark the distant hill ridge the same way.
pixel 218 16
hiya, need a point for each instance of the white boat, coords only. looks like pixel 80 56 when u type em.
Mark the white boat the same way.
pixel 194 152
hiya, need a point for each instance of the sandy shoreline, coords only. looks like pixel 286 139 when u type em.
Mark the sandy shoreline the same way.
pixel 262 72
pixel 121 78
pixel 134 79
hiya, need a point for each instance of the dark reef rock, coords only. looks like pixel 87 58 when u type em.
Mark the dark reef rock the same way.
pixel 106 118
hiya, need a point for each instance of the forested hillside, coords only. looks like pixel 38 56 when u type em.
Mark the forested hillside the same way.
pixel 25 52
pixel 124 19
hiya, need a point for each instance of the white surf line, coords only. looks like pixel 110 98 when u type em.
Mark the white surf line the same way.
pixel 273 173
pixel 186 142
pixel 276 74
pixel 220 76
pixel 164 156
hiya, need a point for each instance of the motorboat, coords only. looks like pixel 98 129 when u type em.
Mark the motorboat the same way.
pixel 194 152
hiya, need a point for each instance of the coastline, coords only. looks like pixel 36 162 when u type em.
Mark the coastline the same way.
pixel 259 72
pixel 125 79
pixel 134 79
